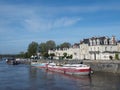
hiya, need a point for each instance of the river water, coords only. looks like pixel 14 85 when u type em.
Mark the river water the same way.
pixel 25 77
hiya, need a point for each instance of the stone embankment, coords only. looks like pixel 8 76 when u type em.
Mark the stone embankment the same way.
pixel 104 65
pixel 96 65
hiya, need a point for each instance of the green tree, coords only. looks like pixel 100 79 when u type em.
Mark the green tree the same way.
pixel 42 48
pixel 26 55
pixel 50 45
pixel 116 56
pixel 22 54
pixel 32 48
pixel 58 47
pixel 69 57
pixel 45 55
pixel 111 57
pixel 65 45
pixel 64 55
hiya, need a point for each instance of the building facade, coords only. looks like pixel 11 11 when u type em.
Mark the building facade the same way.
pixel 102 48
pixel 95 48
pixel 74 51
pixel 84 49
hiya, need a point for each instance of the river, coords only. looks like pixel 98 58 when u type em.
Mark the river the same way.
pixel 25 77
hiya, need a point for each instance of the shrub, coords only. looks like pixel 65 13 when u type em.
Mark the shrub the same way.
pixel 111 57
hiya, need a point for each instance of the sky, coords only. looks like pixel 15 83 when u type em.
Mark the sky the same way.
pixel 24 21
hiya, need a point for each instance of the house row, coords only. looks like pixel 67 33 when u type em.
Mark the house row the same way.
pixel 94 48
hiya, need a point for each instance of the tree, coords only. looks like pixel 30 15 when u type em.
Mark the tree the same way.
pixel 52 55
pixel 32 48
pixel 65 45
pixel 69 57
pixel 45 55
pixel 111 57
pixel 64 55
pixel 50 45
pixel 22 54
pixel 116 56
pixel 58 47
pixel 42 48
pixel 26 55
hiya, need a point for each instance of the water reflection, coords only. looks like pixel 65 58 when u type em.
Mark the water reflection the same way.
pixel 25 77
pixel 13 77
pixel 97 81
pixel 105 81
pixel 52 80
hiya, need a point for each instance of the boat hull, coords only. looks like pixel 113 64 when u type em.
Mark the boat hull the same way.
pixel 71 71
pixel 67 69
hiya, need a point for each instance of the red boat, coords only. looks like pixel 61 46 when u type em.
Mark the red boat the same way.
pixel 73 69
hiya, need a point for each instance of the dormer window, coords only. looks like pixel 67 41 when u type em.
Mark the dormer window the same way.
pixel 94 42
pixel 98 42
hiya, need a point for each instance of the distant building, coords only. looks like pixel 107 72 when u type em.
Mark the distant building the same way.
pixel 74 51
pixel 84 49
pixel 102 48
pixel 94 48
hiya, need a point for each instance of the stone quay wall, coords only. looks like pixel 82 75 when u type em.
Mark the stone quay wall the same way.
pixel 104 65
pixel 96 65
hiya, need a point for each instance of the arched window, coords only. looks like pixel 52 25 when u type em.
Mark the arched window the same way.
pixel 94 42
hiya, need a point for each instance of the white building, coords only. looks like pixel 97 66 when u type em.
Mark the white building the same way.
pixel 95 48
pixel 102 48
pixel 84 49
pixel 74 51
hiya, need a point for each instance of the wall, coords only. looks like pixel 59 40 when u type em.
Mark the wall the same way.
pixel 104 65
pixel 84 52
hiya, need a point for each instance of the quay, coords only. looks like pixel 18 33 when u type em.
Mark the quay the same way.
pixel 112 66
pixel 104 65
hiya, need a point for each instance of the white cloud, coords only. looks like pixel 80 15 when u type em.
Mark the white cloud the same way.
pixel 65 21
pixel 38 24
pixel 36 18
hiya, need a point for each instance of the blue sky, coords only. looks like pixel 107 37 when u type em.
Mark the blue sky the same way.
pixel 24 21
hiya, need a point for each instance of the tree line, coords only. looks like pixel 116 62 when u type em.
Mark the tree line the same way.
pixel 34 48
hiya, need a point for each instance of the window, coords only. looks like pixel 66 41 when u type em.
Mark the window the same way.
pixel 98 42
pixel 98 48
pixel 105 48
pixel 110 48
pixel 94 49
pixel 94 42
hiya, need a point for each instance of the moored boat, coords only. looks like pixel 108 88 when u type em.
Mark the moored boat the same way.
pixel 39 65
pixel 12 61
pixel 73 69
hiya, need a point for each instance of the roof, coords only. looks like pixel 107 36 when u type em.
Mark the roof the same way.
pixel 118 41
pixel 85 41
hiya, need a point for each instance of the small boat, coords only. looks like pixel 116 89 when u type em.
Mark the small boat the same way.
pixel 39 65
pixel 12 61
pixel 72 69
